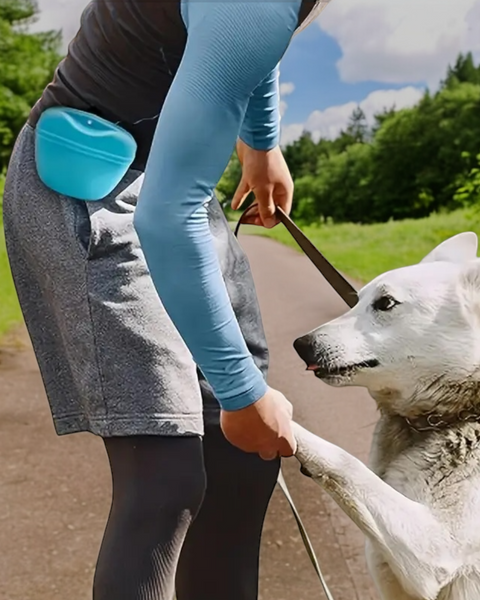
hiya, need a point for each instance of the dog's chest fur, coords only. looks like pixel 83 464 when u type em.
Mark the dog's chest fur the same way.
pixel 427 467
pixel 440 469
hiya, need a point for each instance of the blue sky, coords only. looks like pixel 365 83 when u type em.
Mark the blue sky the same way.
pixel 310 64
pixel 376 54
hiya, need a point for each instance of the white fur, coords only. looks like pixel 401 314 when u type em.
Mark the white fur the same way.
pixel 419 502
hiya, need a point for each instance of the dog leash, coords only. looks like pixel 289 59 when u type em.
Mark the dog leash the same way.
pixel 282 484
pixel 338 282
pixel 349 294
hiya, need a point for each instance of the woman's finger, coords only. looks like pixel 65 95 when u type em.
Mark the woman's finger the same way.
pixel 268 454
pixel 241 194
pixel 251 216
pixel 266 205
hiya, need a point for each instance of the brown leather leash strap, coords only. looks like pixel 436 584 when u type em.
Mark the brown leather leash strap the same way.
pixel 338 282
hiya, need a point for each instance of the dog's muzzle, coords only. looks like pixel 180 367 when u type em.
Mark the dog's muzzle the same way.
pixel 305 348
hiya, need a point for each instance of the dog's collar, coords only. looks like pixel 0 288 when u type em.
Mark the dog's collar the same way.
pixel 433 421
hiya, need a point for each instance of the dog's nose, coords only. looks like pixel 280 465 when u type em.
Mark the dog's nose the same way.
pixel 305 348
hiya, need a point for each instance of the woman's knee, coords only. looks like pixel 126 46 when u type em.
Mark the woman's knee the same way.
pixel 157 478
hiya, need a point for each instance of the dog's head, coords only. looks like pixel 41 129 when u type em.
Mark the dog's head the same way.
pixel 414 335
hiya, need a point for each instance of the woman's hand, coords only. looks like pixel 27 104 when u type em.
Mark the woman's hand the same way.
pixel 264 427
pixel 266 174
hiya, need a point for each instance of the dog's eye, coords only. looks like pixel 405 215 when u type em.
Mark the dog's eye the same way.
pixel 384 303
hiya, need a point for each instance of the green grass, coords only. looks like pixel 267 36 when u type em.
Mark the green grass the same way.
pixel 10 313
pixel 365 251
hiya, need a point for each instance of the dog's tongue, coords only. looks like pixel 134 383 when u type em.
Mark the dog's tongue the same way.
pixel 312 367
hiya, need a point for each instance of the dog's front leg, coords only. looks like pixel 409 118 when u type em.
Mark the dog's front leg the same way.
pixel 408 535
pixel 388 585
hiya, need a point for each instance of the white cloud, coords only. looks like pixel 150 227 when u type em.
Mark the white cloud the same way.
pixel 398 41
pixel 290 133
pixel 286 88
pixel 60 14
pixel 329 122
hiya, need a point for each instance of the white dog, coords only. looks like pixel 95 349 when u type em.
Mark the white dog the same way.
pixel 413 340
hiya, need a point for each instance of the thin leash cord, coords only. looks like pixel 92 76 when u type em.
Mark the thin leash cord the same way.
pixel 282 484
pixel 303 532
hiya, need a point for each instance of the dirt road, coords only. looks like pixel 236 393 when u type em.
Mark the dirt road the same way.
pixel 54 492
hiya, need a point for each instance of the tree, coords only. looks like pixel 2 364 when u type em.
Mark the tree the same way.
pixel 27 63
pixel 302 156
pixel 341 190
pixel 463 71
pixel 356 132
pixel 468 192
pixel 357 127
pixel 417 153
pixel 229 182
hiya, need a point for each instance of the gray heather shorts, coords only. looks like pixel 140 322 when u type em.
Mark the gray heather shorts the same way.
pixel 111 360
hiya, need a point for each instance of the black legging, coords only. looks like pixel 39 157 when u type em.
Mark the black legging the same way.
pixel 161 485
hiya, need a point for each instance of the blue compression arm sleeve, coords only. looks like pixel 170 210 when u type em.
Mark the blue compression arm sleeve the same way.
pixel 261 126
pixel 232 47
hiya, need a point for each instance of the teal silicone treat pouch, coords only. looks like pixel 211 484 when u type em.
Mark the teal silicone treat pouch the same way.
pixel 81 155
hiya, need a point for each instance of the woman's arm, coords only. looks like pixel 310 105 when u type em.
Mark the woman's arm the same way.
pixel 261 126
pixel 231 48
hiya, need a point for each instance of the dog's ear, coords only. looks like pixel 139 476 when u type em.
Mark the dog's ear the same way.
pixel 458 249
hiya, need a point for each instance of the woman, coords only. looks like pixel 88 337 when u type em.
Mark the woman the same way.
pixel 120 295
